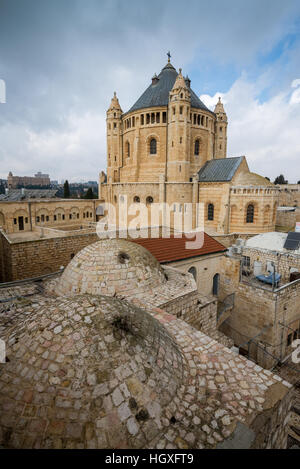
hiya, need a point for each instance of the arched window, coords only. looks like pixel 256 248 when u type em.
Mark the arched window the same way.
pixel 153 146
pixel 149 200
pixel 128 149
pixel 136 199
pixel 210 211
pixel 250 214
pixel 197 147
pixel 193 271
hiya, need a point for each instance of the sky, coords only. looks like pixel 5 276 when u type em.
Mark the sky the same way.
pixel 61 61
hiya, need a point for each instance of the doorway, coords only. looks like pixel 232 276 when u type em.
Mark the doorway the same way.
pixel 21 223
pixel 216 282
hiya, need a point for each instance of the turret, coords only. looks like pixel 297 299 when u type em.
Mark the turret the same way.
pixel 179 131
pixel 220 148
pixel 114 139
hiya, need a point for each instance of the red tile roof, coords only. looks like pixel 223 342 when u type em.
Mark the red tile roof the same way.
pixel 174 249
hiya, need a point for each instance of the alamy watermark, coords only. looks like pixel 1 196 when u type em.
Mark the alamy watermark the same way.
pixel 2 92
pixel 296 353
pixel 139 220
pixel 2 351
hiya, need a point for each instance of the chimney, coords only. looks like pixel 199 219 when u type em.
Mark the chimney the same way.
pixel 155 79
pixel 22 191
pixel 6 191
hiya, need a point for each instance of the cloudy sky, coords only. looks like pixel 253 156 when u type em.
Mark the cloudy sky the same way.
pixel 61 61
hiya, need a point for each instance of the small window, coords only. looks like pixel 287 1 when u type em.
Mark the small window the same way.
pixel 37 219
pixel 128 149
pixel 63 216
pixel 72 255
pixel 26 220
pixel 115 125
pixel 142 119
pixel 149 200
pixel 181 109
pixel 250 214
pixel 180 140
pixel 54 217
pixel 197 147
pixel 15 221
pixel 164 117
pixel 43 218
pixel 77 215
pixel 153 146
pixel 210 212
pixel 289 339
pixel 136 199
pixel 246 261
pixel 47 217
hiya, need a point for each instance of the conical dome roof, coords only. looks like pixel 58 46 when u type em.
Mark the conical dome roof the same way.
pixel 157 94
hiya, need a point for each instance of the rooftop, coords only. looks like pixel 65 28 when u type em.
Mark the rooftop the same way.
pixel 173 249
pixel 16 195
pixel 157 94
pixel 219 170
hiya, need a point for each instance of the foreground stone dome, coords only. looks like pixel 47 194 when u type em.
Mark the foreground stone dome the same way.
pixel 111 267
pixel 88 372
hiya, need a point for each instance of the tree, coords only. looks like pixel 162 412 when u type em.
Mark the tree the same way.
pixel 280 180
pixel 267 178
pixel 298 182
pixel 66 190
pixel 89 194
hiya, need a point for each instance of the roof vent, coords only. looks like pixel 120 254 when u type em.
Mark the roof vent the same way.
pixel 187 81
pixel 155 79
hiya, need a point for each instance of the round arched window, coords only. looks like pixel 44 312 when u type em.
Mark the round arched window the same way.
pixel 149 200
pixel 153 146
pixel 197 147
pixel 250 214
pixel 210 211
pixel 136 199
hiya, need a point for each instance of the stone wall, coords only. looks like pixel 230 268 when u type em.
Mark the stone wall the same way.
pixel 33 258
pixel 261 319
pixel 286 219
pixel 46 213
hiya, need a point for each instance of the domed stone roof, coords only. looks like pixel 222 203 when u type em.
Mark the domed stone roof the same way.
pixel 110 267
pixel 252 179
pixel 157 94
pixel 87 372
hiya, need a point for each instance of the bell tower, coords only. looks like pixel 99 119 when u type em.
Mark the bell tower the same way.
pixel 114 139
pixel 178 160
pixel 220 147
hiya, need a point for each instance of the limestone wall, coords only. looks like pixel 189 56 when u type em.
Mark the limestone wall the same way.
pixel 33 258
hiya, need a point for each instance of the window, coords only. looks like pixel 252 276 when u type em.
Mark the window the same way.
pixel 115 125
pixel 15 221
pixel 26 220
pixel 164 117
pixel 246 261
pixel 181 110
pixel 197 147
pixel 70 216
pixel 63 216
pixel 47 217
pixel 43 218
pixel 289 339
pixel 37 219
pixel 128 149
pixel 77 215
pixel 149 200
pixel 180 140
pixel 142 119
pixel 153 146
pixel 193 271
pixel 210 212
pixel 54 218
pixel 136 199
pixel 250 214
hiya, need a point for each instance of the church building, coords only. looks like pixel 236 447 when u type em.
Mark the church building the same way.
pixel 169 147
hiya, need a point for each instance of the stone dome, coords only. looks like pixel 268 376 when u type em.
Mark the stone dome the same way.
pixel 111 267
pixel 88 372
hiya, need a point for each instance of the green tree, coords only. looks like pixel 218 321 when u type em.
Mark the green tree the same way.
pixel 89 194
pixel 280 180
pixel 66 190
